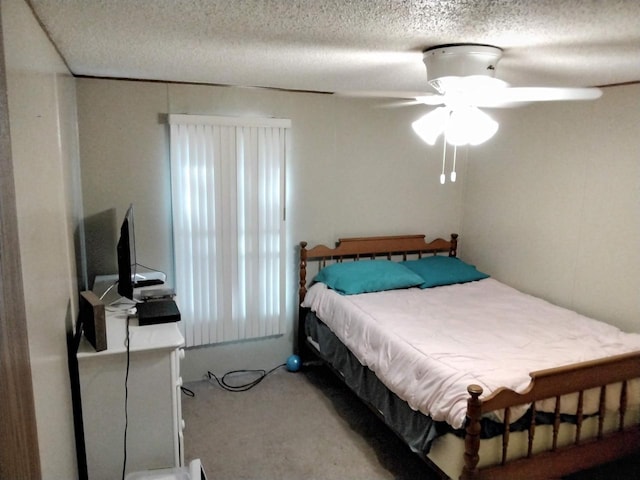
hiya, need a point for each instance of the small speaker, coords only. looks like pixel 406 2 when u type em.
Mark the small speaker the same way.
pixel 92 317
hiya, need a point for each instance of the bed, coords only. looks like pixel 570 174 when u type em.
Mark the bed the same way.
pixel 482 406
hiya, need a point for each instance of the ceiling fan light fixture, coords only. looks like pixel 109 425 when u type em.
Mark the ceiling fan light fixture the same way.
pixel 465 125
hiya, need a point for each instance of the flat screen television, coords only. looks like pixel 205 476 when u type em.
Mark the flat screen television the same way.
pixel 126 251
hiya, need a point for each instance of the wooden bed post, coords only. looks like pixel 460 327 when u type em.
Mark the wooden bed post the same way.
pixel 453 250
pixel 302 291
pixel 472 438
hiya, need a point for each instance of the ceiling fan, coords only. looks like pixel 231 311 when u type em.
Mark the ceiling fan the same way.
pixel 463 80
pixel 462 77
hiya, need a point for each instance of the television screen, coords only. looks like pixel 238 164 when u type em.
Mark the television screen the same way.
pixel 126 256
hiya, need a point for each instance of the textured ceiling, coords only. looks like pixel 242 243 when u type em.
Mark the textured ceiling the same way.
pixel 342 45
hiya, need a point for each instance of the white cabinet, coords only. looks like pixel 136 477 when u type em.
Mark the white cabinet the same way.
pixel 147 380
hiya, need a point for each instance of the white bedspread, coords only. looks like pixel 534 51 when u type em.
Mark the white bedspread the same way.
pixel 428 345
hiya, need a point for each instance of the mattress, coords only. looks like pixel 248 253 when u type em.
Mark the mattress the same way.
pixel 428 345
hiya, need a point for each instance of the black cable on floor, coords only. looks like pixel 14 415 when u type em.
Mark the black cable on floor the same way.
pixel 243 387
pixel 188 392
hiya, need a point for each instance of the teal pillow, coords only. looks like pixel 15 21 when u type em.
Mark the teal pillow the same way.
pixel 350 278
pixel 439 270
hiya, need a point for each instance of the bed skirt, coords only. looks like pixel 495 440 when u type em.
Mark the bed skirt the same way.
pixel 416 429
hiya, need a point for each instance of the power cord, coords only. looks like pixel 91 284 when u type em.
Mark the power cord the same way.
pixel 126 401
pixel 108 290
pixel 222 381
pixel 150 268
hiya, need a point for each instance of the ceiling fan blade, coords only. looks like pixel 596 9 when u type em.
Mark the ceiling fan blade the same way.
pixel 506 97
pixel 408 98
pixel 401 103
pixel 431 99
pixel 381 94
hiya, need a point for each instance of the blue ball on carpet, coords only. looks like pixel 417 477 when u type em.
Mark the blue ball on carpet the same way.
pixel 294 363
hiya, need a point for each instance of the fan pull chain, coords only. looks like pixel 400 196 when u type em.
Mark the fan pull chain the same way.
pixel 453 170
pixel 443 177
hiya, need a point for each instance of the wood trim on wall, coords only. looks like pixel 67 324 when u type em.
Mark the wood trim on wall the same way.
pixel 19 453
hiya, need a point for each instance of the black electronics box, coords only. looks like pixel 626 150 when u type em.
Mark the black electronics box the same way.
pixel 152 312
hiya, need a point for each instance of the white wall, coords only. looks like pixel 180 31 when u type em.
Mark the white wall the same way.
pixel 355 170
pixel 41 97
pixel 552 204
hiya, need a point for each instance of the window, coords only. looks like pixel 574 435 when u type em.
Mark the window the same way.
pixel 228 203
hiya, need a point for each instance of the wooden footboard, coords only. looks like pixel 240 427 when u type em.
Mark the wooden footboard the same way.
pixel 552 384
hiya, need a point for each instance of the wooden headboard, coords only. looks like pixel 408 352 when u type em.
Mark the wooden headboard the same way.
pixel 372 247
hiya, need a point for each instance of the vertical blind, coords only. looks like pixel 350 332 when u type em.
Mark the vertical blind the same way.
pixel 228 201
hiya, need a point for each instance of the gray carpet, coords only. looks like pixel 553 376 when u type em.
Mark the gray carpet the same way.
pixel 306 425
pixel 292 426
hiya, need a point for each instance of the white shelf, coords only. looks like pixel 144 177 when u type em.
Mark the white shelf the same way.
pixel 148 337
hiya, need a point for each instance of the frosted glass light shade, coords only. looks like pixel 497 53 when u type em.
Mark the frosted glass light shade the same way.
pixel 469 125
pixel 430 126
pixel 463 125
